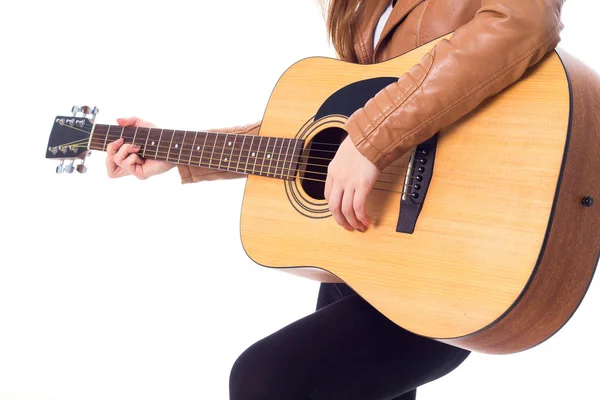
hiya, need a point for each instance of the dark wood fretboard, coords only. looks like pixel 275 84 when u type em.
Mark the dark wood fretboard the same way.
pixel 257 155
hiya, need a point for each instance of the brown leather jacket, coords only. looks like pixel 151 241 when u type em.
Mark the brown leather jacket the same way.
pixel 494 42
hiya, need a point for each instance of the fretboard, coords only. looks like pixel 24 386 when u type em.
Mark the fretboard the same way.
pixel 257 155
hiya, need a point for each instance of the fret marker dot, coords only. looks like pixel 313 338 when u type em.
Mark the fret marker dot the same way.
pixel 268 156
pixel 198 148
pixel 253 154
pixel 176 146
pixel 152 143
pixel 229 144
pixel 225 160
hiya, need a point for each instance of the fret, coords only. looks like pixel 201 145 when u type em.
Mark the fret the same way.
pixel 122 130
pixel 158 144
pixel 289 173
pixel 177 142
pixel 170 144
pixel 240 155
pixel 106 138
pixel 127 134
pixel 146 143
pixel 94 136
pixel 258 156
pixel 212 152
pixel 181 147
pixel 232 149
pixel 286 156
pixel 203 146
pixel 193 148
pixel 187 146
pixel 279 157
pixel 222 151
pixel 151 142
pixel 220 147
pixel 135 134
pixel 276 152
pixel 248 155
pixel 270 154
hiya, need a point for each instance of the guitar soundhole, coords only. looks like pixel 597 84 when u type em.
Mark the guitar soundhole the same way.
pixel 319 153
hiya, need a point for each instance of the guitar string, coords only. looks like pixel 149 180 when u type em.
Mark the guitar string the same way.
pixel 268 168
pixel 268 172
pixel 81 141
pixel 222 148
pixel 276 175
pixel 213 147
pixel 198 159
pixel 204 132
pixel 108 133
pixel 240 153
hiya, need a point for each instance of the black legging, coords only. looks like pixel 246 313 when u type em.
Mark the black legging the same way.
pixel 346 350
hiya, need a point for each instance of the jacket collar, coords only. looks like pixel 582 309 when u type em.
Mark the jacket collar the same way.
pixel 364 42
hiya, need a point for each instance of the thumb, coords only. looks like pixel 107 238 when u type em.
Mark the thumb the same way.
pixel 127 121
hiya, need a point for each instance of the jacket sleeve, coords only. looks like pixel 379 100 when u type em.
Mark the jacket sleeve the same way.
pixel 479 60
pixel 191 174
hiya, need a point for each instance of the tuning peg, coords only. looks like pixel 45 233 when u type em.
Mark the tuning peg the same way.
pixel 81 168
pixel 86 111
pixel 95 112
pixel 70 168
pixel 60 168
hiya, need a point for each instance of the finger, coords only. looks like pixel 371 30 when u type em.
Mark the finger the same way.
pixel 134 121
pixel 131 163
pixel 328 186
pixel 360 205
pixel 111 149
pixel 348 210
pixel 335 206
pixel 124 152
pixel 127 121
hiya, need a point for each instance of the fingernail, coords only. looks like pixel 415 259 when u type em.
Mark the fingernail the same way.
pixel 136 146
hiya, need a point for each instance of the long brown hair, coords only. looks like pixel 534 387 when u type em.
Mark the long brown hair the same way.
pixel 343 20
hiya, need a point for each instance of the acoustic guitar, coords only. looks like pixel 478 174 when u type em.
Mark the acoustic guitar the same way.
pixel 486 236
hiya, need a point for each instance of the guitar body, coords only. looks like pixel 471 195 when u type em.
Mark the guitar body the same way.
pixel 503 249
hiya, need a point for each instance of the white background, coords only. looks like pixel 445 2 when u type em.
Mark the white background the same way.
pixel 122 289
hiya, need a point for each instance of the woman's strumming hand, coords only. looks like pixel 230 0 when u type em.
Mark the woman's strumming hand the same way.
pixel 350 179
pixel 122 159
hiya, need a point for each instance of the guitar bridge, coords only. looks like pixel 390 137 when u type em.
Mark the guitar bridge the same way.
pixel 416 183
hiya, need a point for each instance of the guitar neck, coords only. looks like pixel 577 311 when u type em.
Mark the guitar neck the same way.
pixel 256 155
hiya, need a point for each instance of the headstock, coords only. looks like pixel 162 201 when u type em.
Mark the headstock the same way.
pixel 70 137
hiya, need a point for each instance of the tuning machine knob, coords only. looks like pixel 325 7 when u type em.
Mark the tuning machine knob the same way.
pixel 81 168
pixel 61 167
pixel 86 111
pixel 70 168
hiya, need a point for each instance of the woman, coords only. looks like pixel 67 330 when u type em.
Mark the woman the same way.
pixel 347 349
